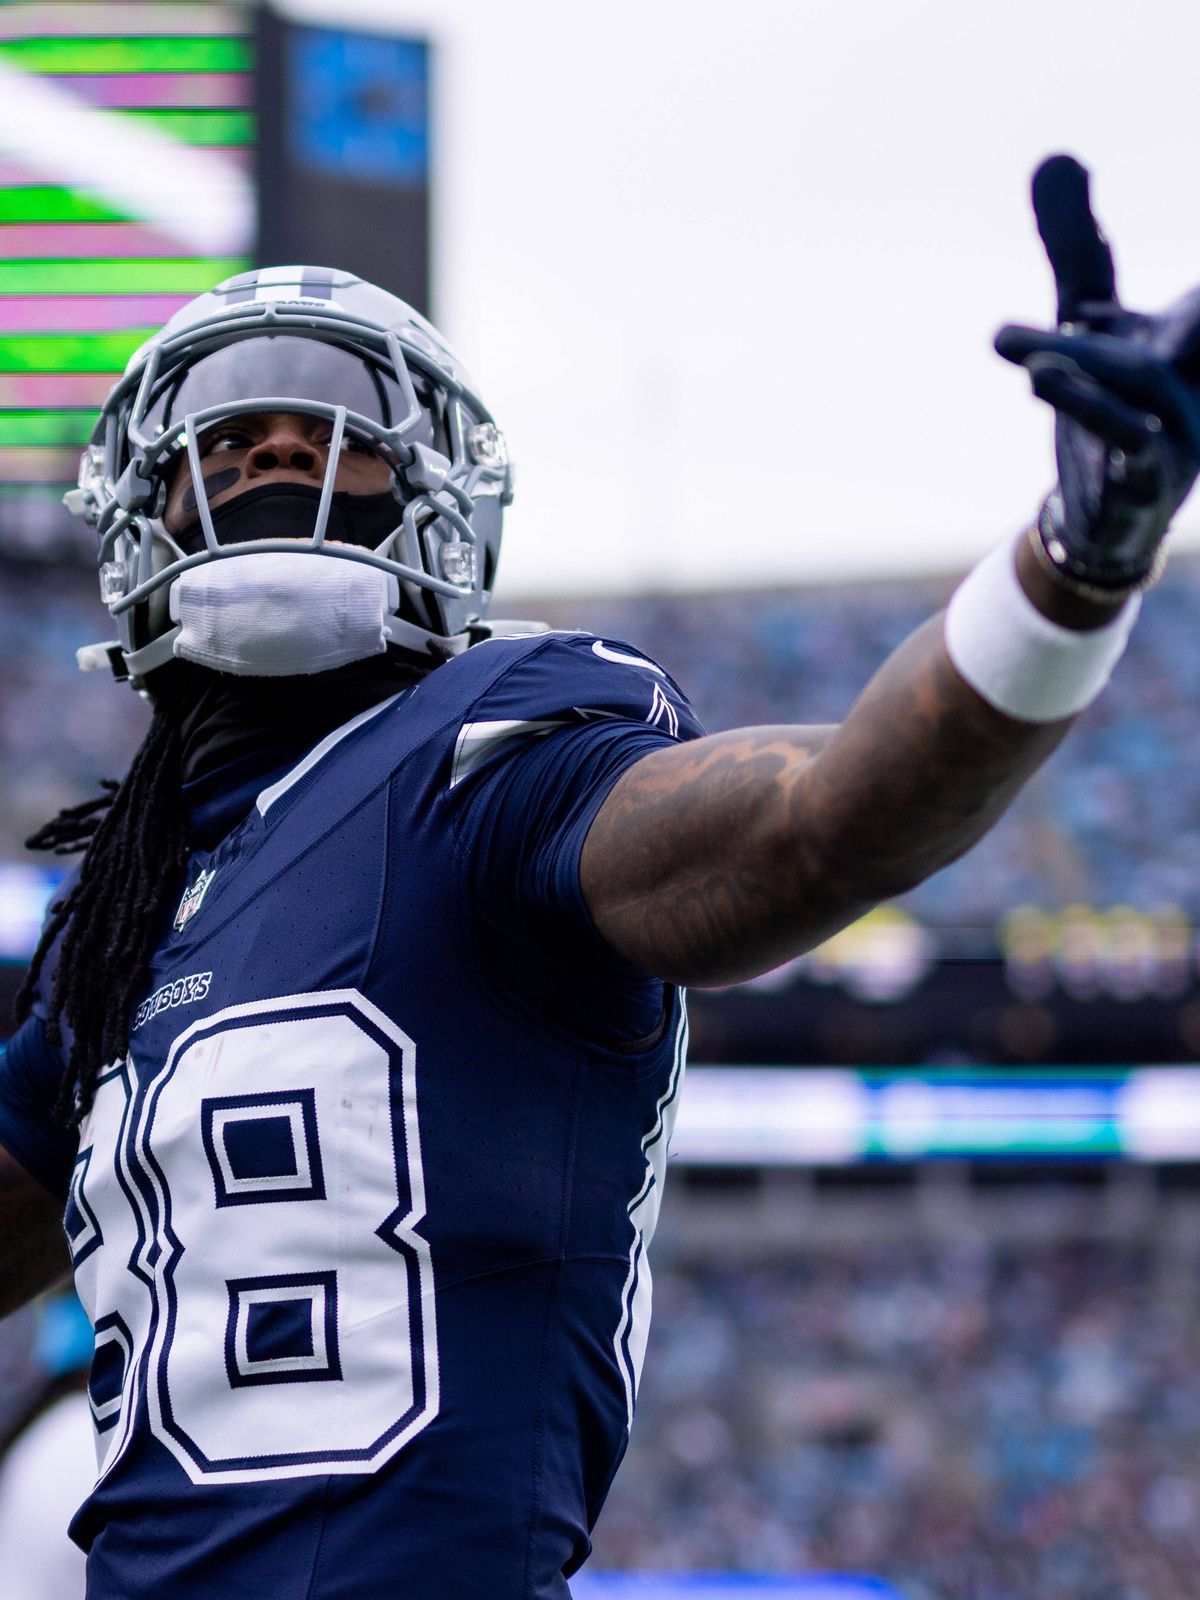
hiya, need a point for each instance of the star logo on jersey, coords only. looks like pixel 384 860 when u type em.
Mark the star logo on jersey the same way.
pixel 193 897
pixel 662 713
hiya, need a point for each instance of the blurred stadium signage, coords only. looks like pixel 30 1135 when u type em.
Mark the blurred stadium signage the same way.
pixel 1086 952
pixel 344 149
pixel 126 136
pixel 728 1586
pixel 130 135
pixel 801 1116
pixel 25 893
pixel 1080 951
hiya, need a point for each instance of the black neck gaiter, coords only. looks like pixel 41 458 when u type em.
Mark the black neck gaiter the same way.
pixel 226 719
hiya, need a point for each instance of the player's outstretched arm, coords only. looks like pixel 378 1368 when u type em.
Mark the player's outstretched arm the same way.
pixel 719 859
pixel 33 1247
pixel 716 860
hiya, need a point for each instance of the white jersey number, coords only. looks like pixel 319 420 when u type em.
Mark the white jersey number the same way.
pixel 279 1166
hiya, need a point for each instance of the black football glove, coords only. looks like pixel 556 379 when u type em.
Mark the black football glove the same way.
pixel 1126 391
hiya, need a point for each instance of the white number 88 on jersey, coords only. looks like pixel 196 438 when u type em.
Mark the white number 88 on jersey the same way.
pixel 244 1230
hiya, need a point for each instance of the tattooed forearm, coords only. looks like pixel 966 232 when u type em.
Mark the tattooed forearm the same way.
pixel 719 859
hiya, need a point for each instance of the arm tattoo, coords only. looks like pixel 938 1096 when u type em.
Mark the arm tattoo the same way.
pixel 719 859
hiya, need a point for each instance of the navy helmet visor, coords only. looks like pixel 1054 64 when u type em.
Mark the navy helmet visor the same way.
pixel 276 365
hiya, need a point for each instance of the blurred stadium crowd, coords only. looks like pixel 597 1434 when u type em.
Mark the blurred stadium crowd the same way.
pixel 60 730
pixel 973 1422
pixel 1114 818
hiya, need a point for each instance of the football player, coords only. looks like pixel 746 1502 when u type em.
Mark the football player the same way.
pixel 351 1050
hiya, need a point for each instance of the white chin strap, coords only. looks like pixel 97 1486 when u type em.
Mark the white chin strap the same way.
pixel 280 615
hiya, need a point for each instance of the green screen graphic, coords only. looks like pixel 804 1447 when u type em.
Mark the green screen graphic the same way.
pixel 126 135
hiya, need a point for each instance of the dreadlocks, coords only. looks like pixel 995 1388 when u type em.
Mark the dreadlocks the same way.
pixel 135 840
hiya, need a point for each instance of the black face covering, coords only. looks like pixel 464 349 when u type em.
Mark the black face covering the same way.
pixel 233 724
pixel 289 511
pixel 235 728
pixel 230 721
pixel 240 734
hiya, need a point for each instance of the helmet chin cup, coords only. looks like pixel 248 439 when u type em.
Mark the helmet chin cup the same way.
pixel 326 345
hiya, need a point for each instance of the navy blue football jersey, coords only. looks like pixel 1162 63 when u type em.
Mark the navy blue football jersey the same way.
pixel 361 1221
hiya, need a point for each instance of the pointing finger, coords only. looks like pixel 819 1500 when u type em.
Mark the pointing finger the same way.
pixel 1078 251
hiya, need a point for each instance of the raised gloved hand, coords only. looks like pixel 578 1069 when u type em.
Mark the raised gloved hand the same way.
pixel 1126 391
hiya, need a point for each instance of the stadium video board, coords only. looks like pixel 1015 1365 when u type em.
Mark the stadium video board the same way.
pixel 344 121
pixel 126 187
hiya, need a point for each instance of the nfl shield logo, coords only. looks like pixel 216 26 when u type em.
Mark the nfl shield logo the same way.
pixel 192 897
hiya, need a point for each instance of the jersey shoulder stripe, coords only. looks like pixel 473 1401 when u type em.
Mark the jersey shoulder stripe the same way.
pixel 563 680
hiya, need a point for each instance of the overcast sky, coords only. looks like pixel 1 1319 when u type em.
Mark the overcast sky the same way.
pixel 728 275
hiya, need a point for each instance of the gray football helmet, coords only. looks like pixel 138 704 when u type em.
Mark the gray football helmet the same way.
pixel 325 344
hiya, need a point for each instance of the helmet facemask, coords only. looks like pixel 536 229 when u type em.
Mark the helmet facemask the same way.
pixel 427 512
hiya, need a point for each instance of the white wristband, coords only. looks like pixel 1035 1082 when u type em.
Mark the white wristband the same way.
pixel 1017 659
